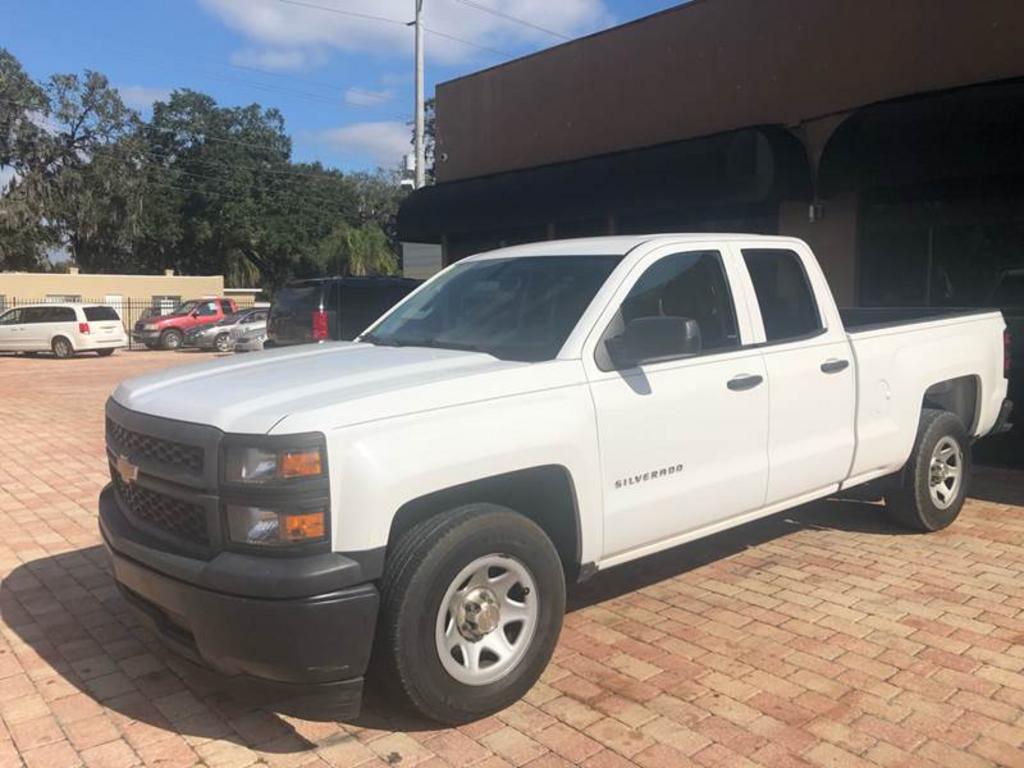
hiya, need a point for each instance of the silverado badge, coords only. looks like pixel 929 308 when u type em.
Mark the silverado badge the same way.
pixel 129 472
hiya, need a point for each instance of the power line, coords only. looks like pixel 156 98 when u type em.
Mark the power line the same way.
pixel 388 20
pixel 510 17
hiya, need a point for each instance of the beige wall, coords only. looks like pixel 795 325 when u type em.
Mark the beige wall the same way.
pixel 833 238
pixel 31 285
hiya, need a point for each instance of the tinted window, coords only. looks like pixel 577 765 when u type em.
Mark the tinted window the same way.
pixel 363 302
pixel 515 309
pixel 95 314
pixel 1010 291
pixel 35 315
pixel 297 298
pixel 11 318
pixel 691 285
pixel 783 293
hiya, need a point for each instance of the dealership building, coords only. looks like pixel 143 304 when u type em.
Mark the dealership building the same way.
pixel 889 135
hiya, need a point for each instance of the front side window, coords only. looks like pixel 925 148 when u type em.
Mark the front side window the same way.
pixel 784 295
pixel 689 285
pixel 514 309
pixel 11 318
pixel 207 309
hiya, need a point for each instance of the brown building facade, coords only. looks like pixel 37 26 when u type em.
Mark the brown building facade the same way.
pixel 889 135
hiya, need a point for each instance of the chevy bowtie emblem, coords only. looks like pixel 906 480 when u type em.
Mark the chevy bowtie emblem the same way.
pixel 129 472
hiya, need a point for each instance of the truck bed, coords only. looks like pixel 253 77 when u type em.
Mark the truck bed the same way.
pixel 857 319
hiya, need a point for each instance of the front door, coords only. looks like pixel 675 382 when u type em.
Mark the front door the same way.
pixel 12 332
pixel 683 441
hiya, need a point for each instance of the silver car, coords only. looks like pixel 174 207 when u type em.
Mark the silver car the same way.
pixel 223 336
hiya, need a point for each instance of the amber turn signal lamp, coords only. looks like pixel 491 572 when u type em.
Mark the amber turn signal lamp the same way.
pixel 300 464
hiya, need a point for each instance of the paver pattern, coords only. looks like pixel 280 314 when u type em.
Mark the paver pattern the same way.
pixel 820 637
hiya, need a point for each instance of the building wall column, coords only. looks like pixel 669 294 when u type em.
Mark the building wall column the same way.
pixel 833 237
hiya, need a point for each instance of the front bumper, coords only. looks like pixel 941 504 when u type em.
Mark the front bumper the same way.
pixel 144 337
pixel 293 645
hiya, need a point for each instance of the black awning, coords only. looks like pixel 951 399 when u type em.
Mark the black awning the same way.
pixel 749 166
pixel 973 132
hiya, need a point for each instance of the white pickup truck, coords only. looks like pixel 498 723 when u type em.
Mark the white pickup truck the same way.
pixel 526 418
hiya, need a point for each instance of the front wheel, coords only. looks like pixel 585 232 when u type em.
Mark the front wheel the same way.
pixel 171 339
pixel 471 608
pixel 934 483
pixel 222 342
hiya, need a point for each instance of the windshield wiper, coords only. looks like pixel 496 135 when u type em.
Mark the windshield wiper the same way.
pixel 424 342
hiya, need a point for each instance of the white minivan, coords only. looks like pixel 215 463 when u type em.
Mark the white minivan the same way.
pixel 63 329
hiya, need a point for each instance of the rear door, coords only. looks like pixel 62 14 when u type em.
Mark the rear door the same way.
pixel 811 384
pixel 684 442
pixel 37 324
pixel 291 313
pixel 104 323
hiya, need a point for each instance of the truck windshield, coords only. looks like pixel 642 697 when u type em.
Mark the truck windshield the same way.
pixel 514 309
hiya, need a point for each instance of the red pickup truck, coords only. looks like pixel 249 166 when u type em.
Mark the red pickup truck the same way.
pixel 168 331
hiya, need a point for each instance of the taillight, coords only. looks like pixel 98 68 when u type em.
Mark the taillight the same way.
pixel 83 328
pixel 320 325
pixel 1007 362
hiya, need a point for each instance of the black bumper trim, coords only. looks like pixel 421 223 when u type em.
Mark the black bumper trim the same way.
pixel 1003 423
pixel 324 640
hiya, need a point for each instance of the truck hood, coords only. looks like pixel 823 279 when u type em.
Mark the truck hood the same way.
pixel 320 386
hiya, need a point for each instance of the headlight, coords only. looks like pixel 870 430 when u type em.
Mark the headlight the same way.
pixel 258 526
pixel 268 465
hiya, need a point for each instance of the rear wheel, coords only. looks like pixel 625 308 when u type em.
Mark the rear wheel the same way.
pixel 171 339
pixel 471 608
pixel 104 352
pixel 934 483
pixel 62 348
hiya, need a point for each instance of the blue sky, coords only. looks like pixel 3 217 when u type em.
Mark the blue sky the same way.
pixel 343 82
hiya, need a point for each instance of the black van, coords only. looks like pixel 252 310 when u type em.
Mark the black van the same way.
pixel 332 308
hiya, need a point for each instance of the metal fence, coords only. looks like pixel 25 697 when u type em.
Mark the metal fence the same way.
pixel 130 310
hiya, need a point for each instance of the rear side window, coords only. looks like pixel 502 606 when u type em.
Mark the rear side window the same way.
pixel 784 294
pixel 96 314
pixel 362 304
pixel 296 299
pixel 48 315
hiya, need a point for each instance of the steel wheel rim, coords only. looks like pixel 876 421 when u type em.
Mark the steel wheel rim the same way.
pixel 487 619
pixel 945 472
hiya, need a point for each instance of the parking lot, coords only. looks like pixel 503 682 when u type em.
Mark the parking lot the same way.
pixel 821 637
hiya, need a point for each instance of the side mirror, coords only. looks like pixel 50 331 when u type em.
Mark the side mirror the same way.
pixel 650 339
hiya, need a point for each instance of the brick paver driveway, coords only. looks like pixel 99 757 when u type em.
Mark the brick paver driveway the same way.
pixel 819 637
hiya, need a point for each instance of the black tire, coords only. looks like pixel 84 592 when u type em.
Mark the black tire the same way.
pixel 911 505
pixel 221 342
pixel 419 572
pixel 104 352
pixel 171 339
pixel 62 348
pixel 151 345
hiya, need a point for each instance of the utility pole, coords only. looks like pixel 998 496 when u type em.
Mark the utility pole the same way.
pixel 421 156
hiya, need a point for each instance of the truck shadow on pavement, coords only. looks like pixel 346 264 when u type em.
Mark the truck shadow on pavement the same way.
pixel 81 638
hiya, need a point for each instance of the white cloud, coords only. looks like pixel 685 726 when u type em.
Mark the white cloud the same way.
pixel 363 97
pixel 280 60
pixel 285 26
pixel 7 175
pixel 141 97
pixel 385 142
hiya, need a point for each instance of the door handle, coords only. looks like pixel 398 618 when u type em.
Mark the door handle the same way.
pixel 834 365
pixel 744 381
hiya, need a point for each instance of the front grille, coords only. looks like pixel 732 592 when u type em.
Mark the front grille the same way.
pixel 187 457
pixel 178 518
